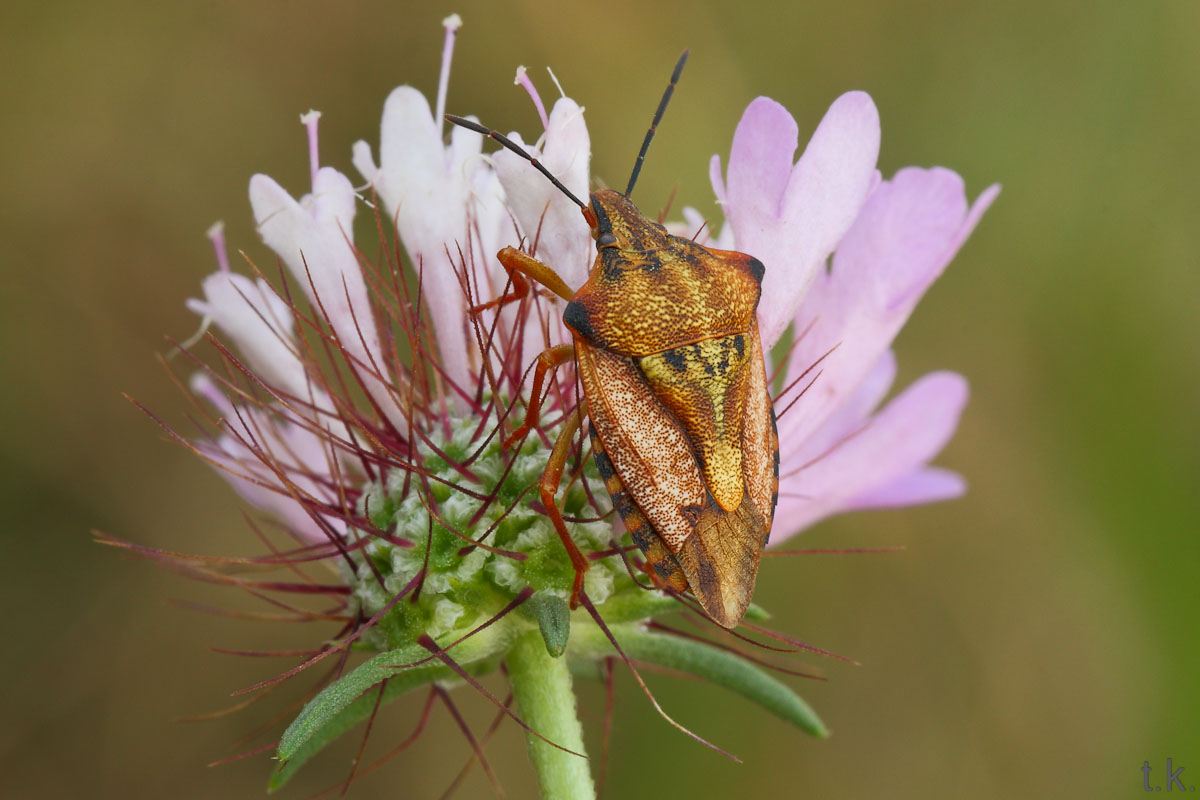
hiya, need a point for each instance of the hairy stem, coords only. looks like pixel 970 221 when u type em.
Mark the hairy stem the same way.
pixel 542 688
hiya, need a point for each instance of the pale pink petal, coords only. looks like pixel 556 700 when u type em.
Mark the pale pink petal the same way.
pixel 900 439
pixel 312 238
pixel 447 211
pixel 718 182
pixel 907 233
pixel 724 239
pixel 300 453
pixel 411 152
pixel 791 218
pixel 364 162
pixel 287 510
pixel 258 323
pixel 564 240
pixel 692 226
pixel 760 166
pixel 413 181
pixel 549 218
pixel 698 228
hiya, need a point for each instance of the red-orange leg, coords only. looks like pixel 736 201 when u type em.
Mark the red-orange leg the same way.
pixel 520 288
pixel 514 261
pixel 548 487
pixel 520 267
pixel 549 359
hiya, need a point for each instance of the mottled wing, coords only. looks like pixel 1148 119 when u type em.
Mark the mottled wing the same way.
pixel 648 449
pixel 661 559
pixel 670 472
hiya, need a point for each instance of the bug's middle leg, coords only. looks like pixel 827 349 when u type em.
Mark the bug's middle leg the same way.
pixel 521 269
pixel 548 487
pixel 549 359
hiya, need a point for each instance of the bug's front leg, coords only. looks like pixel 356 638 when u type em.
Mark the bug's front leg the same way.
pixel 521 268
pixel 514 261
pixel 548 487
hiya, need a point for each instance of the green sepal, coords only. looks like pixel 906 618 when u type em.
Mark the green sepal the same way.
pixel 554 619
pixel 713 664
pixel 348 701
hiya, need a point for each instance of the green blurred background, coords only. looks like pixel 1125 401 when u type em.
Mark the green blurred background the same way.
pixel 1037 639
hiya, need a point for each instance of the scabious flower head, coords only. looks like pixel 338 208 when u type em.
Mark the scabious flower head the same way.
pixel 362 400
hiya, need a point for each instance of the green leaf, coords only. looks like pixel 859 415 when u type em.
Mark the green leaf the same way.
pixel 587 669
pixel 718 666
pixel 630 606
pixel 343 704
pixel 756 613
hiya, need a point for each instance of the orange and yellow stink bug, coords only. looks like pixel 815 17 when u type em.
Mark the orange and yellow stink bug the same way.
pixel 674 383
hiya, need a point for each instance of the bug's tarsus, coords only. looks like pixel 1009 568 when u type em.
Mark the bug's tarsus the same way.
pixel 516 148
pixel 658 115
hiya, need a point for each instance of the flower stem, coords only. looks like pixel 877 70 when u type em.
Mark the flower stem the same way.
pixel 542 687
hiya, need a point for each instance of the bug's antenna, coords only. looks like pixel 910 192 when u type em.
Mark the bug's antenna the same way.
pixel 513 146
pixel 662 106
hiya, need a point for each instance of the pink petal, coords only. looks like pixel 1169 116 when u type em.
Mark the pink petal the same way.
pixel 907 233
pixel 564 241
pixel 299 452
pixel 791 218
pixel 760 165
pixel 900 439
pixel 852 414
pixel 828 187
pixel 410 143
pixel 928 485
pixel 447 212
pixel 430 214
pixel 718 182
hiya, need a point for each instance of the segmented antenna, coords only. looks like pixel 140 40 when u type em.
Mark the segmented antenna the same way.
pixel 513 146
pixel 662 106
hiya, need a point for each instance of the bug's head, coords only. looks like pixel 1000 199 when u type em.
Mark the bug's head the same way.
pixel 618 225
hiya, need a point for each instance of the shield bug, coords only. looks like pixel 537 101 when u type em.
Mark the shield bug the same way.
pixel 674 389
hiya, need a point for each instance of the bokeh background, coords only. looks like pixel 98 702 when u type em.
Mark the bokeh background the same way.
pixel 1037 639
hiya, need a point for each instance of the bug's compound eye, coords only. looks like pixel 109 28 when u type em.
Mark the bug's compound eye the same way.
pixel 606 239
